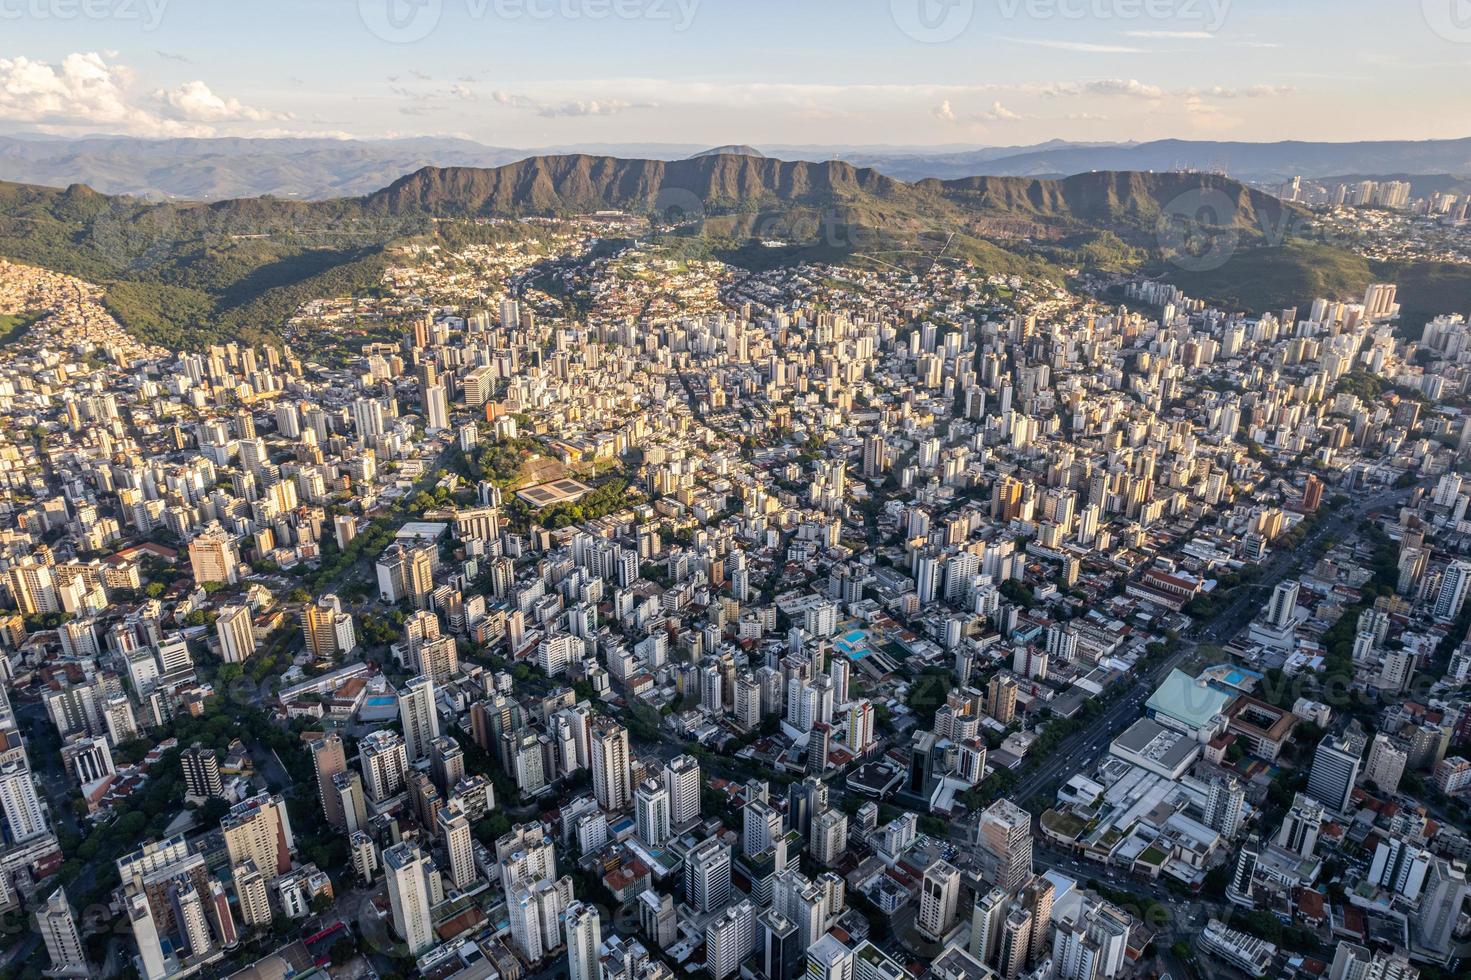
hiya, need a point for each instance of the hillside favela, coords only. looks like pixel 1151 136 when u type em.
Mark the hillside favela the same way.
pixel 735 490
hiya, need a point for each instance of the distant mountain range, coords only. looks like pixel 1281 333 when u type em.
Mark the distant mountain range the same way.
pixel 220 169
pixel 182 273
pixel 1244 161
pixel 319 169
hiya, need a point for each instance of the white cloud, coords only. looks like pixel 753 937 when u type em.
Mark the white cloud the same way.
pixel 88 91
pixel 1252 92
pixel 945 112
pixel 593 107
pixel 570 108
pixel 1123 87
pixel 195 102
pixel 511 99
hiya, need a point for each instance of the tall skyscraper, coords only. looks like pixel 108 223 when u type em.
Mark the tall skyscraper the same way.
pixel 189 916
pixel 436 408
pixel 1016 943
pixel 707 875
pixel 1004 833
pixel 328 759
pixel 459 844
pixel 20 803
pixel 860 726
pixel 610 765
pixel 829 837
pixel 145 935
pixel 408 896
pixel 58 928
pixel 939 893
pixel 762 826
pixel 201 772
pixel 651 812
pixel 1335 768
pixel 1299 833
pixel 730 939
pixel 1001 698
pixel 259 830
pixel 252 896
pixel 1454 582
pixel 1225 806
pixel 416 708
pixel 1440 908
pixel 213 557
pixel 1283 605
pixel 385 764
pixel 1386 764
pixel 780 956
pixel 584 937
pixel 236 633
pixel 985 924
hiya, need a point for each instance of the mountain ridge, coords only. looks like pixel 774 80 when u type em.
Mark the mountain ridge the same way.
pixel 180 272
pixel 323 168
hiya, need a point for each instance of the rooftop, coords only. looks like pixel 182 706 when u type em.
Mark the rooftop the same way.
pixel 1191 702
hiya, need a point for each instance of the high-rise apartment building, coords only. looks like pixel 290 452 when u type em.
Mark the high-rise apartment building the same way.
pixel 651 813
pixel 420 717
pixel 406 868
pixel 610 765
pixel 213 557
pixel 236 632
pixel 707 875
pixel 201 772
pixel 1335 769
pixel 57 926
pixel 584 940
pixel 1004 833
pixel 328 759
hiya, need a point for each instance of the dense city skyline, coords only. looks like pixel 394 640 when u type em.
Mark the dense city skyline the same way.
pixel 711 557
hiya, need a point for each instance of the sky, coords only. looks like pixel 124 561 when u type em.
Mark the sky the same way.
pixel 534 73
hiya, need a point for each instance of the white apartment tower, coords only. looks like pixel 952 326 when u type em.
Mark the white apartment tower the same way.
pixel 651 813
pixel 420 719
pixel 611 774
pixel 408 896
pixel 584 939
pixel 682 779
pixel 939 893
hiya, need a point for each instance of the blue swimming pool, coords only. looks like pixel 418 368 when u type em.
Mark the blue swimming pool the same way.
pixel 853 645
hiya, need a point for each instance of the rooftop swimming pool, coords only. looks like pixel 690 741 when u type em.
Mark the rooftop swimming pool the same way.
pixel 853 644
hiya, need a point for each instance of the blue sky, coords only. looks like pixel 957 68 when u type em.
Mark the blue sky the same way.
pixel 528 73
